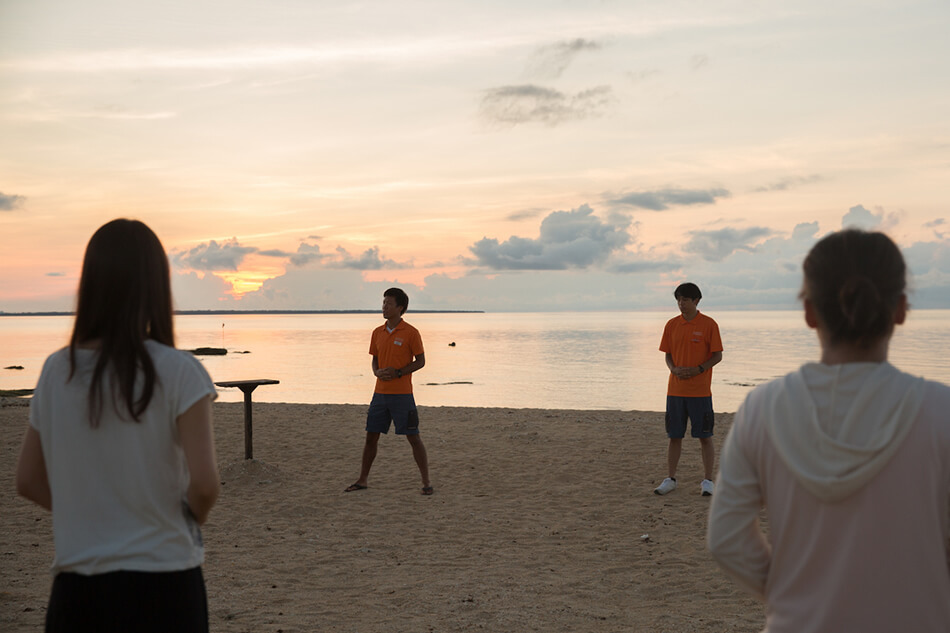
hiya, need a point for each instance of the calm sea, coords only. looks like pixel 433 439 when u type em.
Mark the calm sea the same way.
pixel 569 360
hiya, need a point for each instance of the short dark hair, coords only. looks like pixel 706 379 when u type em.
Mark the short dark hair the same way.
pixel 688 290
pixel 402 299
pixel 855 280
pixel 124 299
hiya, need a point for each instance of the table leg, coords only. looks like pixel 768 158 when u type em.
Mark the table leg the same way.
pixel 248 429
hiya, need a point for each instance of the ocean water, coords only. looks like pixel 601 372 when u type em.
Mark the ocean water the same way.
pixel 566 360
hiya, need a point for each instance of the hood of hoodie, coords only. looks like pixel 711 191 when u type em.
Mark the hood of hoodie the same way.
pixel 836 426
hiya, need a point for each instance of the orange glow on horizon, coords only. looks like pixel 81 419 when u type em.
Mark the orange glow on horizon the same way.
pixel 247 280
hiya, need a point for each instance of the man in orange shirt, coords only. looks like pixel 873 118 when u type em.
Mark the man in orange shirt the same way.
pixel 397 351
pixel 692 345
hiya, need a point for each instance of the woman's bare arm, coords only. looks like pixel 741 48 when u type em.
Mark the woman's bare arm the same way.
pixel 32 482
pixel 197 440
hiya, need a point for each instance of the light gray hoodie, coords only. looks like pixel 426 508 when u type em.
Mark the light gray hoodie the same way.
pixel 852 463
pixel 849 420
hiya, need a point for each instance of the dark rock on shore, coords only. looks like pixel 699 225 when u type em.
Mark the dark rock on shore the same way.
pixel 15 393
pixel 209 351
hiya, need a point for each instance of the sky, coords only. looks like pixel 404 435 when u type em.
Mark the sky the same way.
pixel 502 156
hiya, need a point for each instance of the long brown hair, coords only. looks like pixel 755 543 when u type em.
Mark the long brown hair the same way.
pixel 124 299
pixel 855 279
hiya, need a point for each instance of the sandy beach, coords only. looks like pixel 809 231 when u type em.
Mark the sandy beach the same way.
pixel 542 520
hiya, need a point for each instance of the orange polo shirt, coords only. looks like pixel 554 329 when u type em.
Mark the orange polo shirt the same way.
pixel 395 349
pixel 691 343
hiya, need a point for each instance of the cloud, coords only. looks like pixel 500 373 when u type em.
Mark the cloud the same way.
pixel 736 268
pixel 229 255
pixel 524 214
pixel 859 217
pixel 568 239
pixel 213 256
pixel 805 231
pixel 929 266
pixel 275 252
pixel 320 288
pixel 715 246
pixel 646 266
pixel 698 61
pixel 549 62
pixel 789 183
pixel 10 202
pixel 55 274
pixel 935 224
pixel 306 253
pixel 200 291
pixel 515 105
pixel 369 260
pixel 664 198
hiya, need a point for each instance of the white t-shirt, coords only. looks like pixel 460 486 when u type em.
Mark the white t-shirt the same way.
pixel 119 489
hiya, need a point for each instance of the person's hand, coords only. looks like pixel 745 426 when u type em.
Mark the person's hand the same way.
pixel 386 373
pixel 684 373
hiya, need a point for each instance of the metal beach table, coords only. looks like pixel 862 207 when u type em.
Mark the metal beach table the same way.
pixel 247 386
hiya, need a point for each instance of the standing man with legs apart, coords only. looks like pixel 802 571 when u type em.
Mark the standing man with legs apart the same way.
pixel 693 346
pixel 397 351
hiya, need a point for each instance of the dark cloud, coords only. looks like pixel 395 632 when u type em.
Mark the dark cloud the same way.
pixel 213 256
pixel 514 105
pixel 55 274
pixel 568 239
pixel 10 202
pixel 305 254
pixel 549 62
pixel 665 198
pixel 789 183
pixel 715 246
pixel 369 260
pixel 274 252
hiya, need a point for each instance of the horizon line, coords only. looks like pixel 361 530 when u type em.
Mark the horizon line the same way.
pixel 233 312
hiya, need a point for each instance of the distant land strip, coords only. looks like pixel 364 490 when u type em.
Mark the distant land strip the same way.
pixel 234 312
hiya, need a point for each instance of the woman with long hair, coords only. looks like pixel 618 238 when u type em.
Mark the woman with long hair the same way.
pixel 120 448
pixel 850 458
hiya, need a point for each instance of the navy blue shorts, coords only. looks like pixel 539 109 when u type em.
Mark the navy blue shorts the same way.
pixel 698 410
pixel 397 408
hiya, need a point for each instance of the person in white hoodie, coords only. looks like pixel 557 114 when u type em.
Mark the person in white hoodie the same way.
pixel 850 459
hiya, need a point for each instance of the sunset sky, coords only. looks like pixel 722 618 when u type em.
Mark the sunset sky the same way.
pixel 517 155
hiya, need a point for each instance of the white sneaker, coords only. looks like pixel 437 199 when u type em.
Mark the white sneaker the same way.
pixel 668 485
pixel 708 487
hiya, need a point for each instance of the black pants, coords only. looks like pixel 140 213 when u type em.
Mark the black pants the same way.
pixel 133 601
